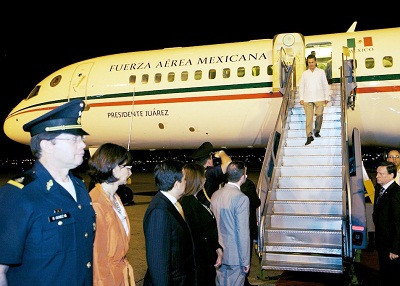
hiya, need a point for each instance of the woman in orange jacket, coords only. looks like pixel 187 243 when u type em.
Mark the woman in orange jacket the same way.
pixel 109 167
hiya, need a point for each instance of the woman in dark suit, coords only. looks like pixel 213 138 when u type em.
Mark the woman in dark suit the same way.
pixel 208 252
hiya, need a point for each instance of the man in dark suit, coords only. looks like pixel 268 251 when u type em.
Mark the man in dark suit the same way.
pixel 169 244
pixel 386 217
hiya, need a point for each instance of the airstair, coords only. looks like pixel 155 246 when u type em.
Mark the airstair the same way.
pixel 305 219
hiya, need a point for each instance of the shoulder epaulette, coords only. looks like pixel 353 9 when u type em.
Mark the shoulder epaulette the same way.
pixel 23 179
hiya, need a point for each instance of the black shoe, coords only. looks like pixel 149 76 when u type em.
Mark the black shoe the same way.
pixel 317 134
pixel 309 140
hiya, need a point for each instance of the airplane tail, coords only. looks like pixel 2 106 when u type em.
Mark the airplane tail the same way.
pixel 352 27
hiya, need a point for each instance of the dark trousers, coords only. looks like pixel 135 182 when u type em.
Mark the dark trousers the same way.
pixel 389 270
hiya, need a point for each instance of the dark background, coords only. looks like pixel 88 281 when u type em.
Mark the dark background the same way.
pixel 45 39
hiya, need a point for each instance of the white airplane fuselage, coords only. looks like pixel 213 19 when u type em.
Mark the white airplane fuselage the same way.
pixel 177 98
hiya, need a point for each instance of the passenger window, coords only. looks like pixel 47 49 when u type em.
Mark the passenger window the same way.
pixel 269 70
pixel 197 75
pixel 157 77
pixel 226 73
pixel 132 79
pixel 212 74
pixel 255 71
pixel 171 77
pixel 369 63
pixel 145 78
pixel 387 61
pixel 241 72
pixel 184 76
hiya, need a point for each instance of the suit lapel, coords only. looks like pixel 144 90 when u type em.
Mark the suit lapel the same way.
pixel 172 209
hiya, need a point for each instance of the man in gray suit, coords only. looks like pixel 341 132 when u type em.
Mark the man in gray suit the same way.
pixel 231 209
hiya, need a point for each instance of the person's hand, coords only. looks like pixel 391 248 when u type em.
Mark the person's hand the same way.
pixel 393 256
pixel 218 153
pixel 246 269
pixel 219 258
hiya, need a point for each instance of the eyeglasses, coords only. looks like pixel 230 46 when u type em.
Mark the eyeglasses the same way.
pixel 394 157
pixel 75 140
pixel 125 166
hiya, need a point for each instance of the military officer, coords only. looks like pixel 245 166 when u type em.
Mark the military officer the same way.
pixel 47 221
pixel 215 174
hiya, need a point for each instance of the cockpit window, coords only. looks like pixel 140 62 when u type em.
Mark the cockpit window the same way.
pixel 34 92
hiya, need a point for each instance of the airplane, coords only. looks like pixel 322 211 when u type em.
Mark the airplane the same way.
pixel 228 94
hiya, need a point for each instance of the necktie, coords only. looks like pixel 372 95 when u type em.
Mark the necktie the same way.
pixel 381 191
pixel 179 207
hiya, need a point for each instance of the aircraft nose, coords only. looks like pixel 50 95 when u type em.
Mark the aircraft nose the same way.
pixel 12 127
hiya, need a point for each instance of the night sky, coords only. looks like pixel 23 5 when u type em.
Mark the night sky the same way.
pixel 41 43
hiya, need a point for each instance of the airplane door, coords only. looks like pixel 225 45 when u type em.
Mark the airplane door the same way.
pixel 78 86
pixel 286 48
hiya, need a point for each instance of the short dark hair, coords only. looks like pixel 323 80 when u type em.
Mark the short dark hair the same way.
pixel 390 167
pixel 235 170
pixel 311 56
pixel 104 160
pixel 167 173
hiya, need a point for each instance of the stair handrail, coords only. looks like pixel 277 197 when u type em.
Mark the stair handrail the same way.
pixel 347 203
pixel 267 173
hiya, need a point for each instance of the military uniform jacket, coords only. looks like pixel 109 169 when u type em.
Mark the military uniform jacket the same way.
pixel 46 236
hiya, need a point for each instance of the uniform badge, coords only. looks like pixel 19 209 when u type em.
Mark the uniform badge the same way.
pixel 49 184
pixel 20 180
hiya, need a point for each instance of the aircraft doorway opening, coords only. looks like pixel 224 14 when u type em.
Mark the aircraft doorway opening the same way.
pixel 323 53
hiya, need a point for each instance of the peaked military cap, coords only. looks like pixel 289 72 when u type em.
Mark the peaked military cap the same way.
pixel 66 119
pixel 204 150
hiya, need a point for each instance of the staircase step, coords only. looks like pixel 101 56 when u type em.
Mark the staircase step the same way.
pixel 302 262
pixel 305 207
pixel 317 194
pixel 322 141
pixel 311 160
pixel 304 248
pixel 325 124
pixel 325 132
pixel 309 182
pixel 326 116
pixel 316 170
pixel 326 222
pixel 299 109
pixel 299 237
pixel 316 150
